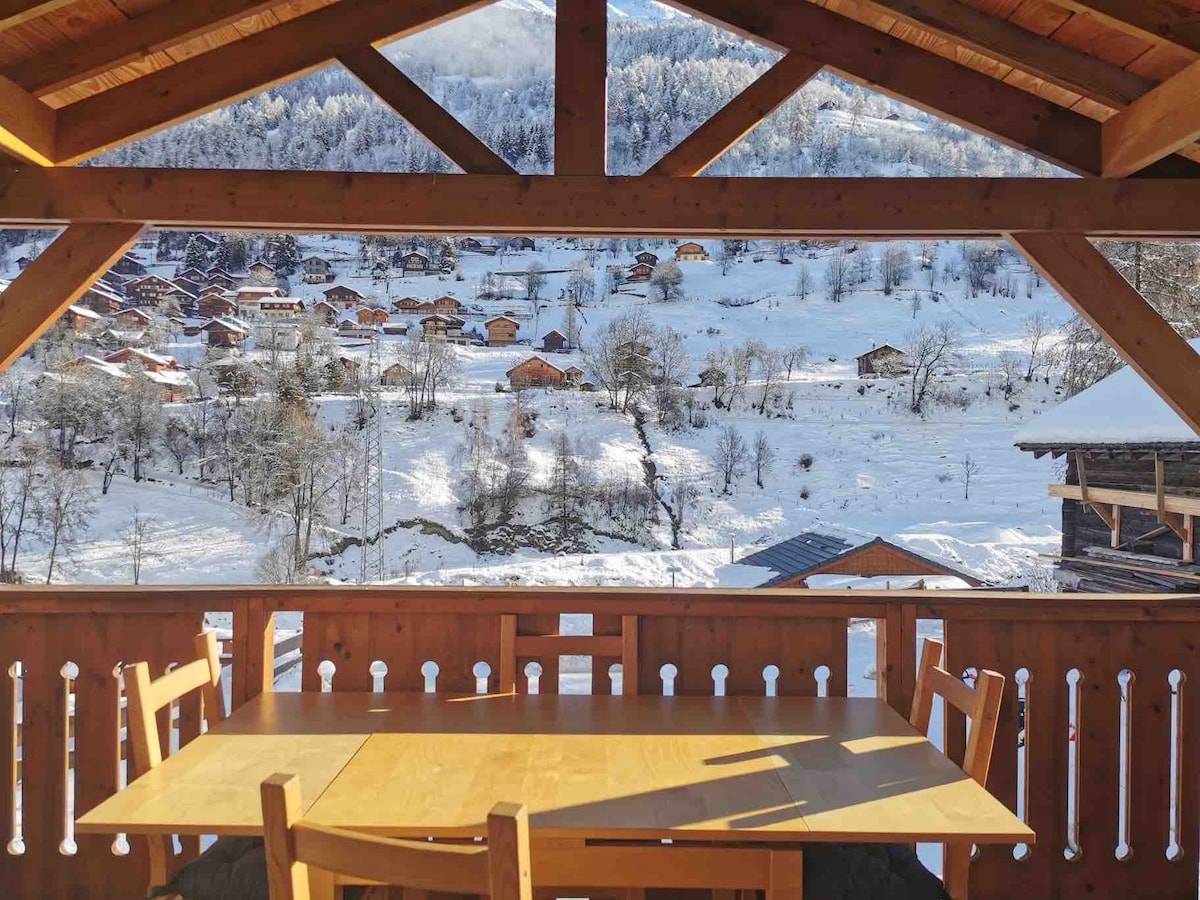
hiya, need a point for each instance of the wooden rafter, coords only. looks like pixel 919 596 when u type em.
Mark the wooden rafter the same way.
pixel 56 279
pixel 1160 123
pixel 16 12
pixel 1057 63
pixel 152 32
pixel 906 72
pixel 422 112
pixel 738 117
pixel 581 87
pixel 1172 503
pixel 27 125
pixel 241 69
pixel 1108 515
pixel 1159 21
pixel 1117 311
pixel 901 208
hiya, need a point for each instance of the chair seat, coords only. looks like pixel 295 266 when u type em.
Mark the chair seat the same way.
pixel 231 869
pixel 868 872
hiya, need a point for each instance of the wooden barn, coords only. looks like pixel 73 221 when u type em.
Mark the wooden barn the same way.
pixel 501 331
pixel 554 341
pixel 369 315
pixel 639 272
pixel 884 360
pixel 792 562
pixel 534 372
pixel 213 305
pixel 447 306
pixel 690 251
pixel 344 297
pixel 396 375
pixel 1131 491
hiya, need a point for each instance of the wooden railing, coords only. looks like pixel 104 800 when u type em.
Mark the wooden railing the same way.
pixel 1096 730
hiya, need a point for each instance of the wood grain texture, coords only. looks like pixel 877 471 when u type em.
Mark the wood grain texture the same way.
pixel 1162 122
pixel 17 12
pixel 1157 21
pixel 1117 311
pixel 422 112
pixel 738 117
pixel 27 126
pixel 581 87
pixel 56 279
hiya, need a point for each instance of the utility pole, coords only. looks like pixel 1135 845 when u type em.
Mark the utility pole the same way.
pixel 371 556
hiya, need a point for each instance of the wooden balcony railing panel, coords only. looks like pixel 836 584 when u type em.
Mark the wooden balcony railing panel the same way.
pixel 1048 647
pixel 42 643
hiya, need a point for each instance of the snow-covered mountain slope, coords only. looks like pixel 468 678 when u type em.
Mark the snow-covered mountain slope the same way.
pixel 626 9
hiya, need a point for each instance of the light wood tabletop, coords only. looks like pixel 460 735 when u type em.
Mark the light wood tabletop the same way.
pixel 432 765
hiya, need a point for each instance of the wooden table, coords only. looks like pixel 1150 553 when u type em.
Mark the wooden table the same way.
pixel 761 772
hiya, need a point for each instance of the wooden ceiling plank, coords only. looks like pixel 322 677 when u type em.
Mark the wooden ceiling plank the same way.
pixel 905 72
pixel 581 87
pixel 27 125
pixel 18 12
pixel 1164 121
pixel 58 277
pixel 1155 20
pixel 1042 56
pixel 738 117
pixel 1112 306
pixel 423 113
pixel 901 208
pixel 241 69
pixel 104 50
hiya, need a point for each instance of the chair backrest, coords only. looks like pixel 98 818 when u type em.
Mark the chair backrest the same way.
pixel 501 869
pixel 980 704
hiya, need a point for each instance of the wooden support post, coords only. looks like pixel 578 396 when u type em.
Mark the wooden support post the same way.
pixel 1115 542
pixel 581 87
pixel 896 657
pixel 629 655
pixel 1189 539
pixel 1088 503
pixel 738 117
pixel 27 125
pixel 1165 120
pixel 422 112
pixel 1112 306
pixel 508 654
pixel 253 664
pixel 56 279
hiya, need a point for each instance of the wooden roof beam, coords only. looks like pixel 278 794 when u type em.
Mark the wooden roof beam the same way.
pixel 1164 121
pixel 905 72
pixel 57 278
pixel 241 69
pixel 17 12
pixel 1028 51
pixel 738 117
pixel 422 112
pixel 878 208
pixel 581 87
pixel 157 30
pixel 1159 21
pixel 1112 306
pixel 27 125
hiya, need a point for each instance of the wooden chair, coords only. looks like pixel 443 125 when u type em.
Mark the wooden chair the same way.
pixel 146 697
pixel 981 705
pixel 500 869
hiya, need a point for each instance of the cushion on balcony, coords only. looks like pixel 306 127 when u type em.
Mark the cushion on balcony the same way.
pixel 868 872
pixel 231 869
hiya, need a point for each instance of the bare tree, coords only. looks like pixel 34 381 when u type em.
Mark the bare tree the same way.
pixel 139 418
pixel 16 390
pixel 770 368
pixel 621 359
pixel 762 457
pixel 729 456
pixel 725 256
pixel 929 348
pixel 968 469
pixel 568 488
pixel 177 440
pixel 18 484
pixel 793 357
pixel 667 281
pixel 1037 328
pixel 836 272
pixel 64 508
pixel 535 280
pixel 804 284
pixel 136 537
pixel 581 284
pixel 671 364
pixel 914 303
pixel 893 266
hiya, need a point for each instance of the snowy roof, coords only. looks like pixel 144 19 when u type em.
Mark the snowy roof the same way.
pixel 258 289
pixel 342 287
pixel 502 319
pixel 144 354
pixel 228 322
pixel 878 349
pixel 171 378
pixel 535 358
pixel 84 312
pixel 134 311
pixel 1120 410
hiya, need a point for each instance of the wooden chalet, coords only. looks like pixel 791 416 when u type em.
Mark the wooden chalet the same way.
pixel 522 243
pixel 81 320
pixel 396 375
pixel 447 306
pixel 790 563
pixel 371 315
pixel 448 329
pixel 148 290
pixel 415 263
pixel 197 276
pixel 221 279
pixel 554 341
pixel 470 243
pixel 280 307
pixel 1131 491
pixel 882 360
pixel 690 251
pixel 206 241
pixel 262 270
pixel 326 311
pixel 343 297
pixel 318 270
pixel 501 331
pixel 195 288
pixel 1102 90
pixel 150 362
pixel 128 266
pixel 179 300
pixel 573 376
pixel 214 305
pixel 646 258
pixel 133 318
pixel 22 262
pixel 535 372
pixel 639 272
pixel 225 331
pixel 409 305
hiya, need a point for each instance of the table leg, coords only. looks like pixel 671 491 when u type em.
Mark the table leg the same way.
pixel 787 875
pixel 320 885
